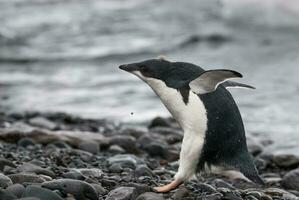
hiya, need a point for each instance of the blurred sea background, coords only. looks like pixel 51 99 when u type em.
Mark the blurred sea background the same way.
pixel 63 56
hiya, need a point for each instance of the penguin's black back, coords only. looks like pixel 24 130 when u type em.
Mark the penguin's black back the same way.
pixel 225 141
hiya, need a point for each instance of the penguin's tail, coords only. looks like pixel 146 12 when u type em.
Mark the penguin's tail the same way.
pixel 249 170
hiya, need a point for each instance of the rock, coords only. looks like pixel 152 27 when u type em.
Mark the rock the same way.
pixel 171 155
pixel 25 142
pixel 100 190
pixel 175 138
pixel 181 193
pixel 60 144
pixel 286 161
pixel 42 123
pixel 155 149
pixel 280 193
pixel 5 181
pixel 128 143
pixel 80 189
pixel 255 149
pixel 125 160
pixel 90 173
pixel 116 168
pixel 16 189
pixel 41 193
pixel 140 188
pixel 136 133
pixel 5 195
pixel 5 162
pixel 159 122
pixel 203 187
pixel 116 149
pixel 231 196
pixel 89 146
pixel 73 175
pixel 150 196
pixel 30 198
pixel 221 183
pixel 22 178
pixel 291 180
pixel 31 168
pixel 255 194
pixel 216 196
pixel 143 170
pixel 122 193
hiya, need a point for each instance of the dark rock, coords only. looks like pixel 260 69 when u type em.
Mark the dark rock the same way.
pixel 215 196
pixel 159 122
pixel 231 196
pixel 25 142
pixel 255 149
pixel 150 196
pixel 89 146
pixel 16 189
pixel 108 183
pixel 291 180
pixel 140 188
pixel 164 131
pixel 5 195
pixel 221 183
pixel 100 190
pixel 171 155
pixel 116 168
pixel 175 138
pixel 181 193
pixel 73 175
pixel 136 133
pixel 203 187
pixel 115 149
pixel 79 189
pixel 122 193
pixel 31 168
pixel 30 198
pixel 41 193
pixel 279 193
pixel 286 161
pixel 143 170
pixel 22 178
pixel 4 181
pixel 155 149
pixel 5 162
pixel 128 143
pixel 255 194
pixel 42 123
pixel 125 160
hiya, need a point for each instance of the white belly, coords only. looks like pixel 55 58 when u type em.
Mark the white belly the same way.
pixel 192 119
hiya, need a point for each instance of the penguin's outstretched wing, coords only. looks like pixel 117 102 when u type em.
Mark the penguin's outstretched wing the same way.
pixel 209 80
pixel 233 84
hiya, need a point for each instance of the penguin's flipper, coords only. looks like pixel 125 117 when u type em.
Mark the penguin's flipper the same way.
pixel 233 84
pixel 209 80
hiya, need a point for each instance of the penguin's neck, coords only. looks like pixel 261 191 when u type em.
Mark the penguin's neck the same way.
pixel 191 116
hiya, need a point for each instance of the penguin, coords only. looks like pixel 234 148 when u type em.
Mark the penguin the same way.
pixel 214 137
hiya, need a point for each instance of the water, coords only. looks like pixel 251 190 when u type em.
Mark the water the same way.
pixel 64 56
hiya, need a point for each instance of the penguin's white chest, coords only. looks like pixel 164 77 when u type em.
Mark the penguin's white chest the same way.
pixel 192 116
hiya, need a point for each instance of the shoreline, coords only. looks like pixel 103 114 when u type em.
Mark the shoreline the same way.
pixel 76 158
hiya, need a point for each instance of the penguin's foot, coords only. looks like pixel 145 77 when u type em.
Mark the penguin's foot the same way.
pixel 168 187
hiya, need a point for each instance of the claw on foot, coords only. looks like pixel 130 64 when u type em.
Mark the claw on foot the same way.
pixel 168 187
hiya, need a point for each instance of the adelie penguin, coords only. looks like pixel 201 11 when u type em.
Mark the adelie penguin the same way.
pixel 214 137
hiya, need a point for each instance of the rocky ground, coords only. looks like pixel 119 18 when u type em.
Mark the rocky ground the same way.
pixel 57 156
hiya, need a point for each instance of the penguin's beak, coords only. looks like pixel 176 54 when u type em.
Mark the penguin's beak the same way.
pixel 129 67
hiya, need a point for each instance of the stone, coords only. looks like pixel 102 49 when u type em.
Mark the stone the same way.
pixel 125 160
pixel 100 190
pixel 16 189
pixel 42 123
pixel 79 189
pixel 73 175
pixel 150 196
pixel 90 173
pixel 122 193
pixel 140 188
pixel 5 162
pixel 116 149
pixel 41 193
pixel 159 122
pixel 279 192
pixel 22 178
pixel 5 181
pixel 31 168
pixel 155 149
pixel 203 187
pixel 216 196
pixel 25 142
pixel 5 195
pixel 221 183
pixel 89 146
pixel 128 143
pixel 143 170
pixel 116 168
pixel 181 193
pixel 291 180
pixel 286 161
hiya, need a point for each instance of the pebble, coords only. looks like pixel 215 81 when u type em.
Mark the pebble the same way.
pixel 5 162
pixel 42 123
pixel 125 160
pixel 150 196
pixel 116 149
pixel 140 188
pixel 286 161
pixel 31 168
pixel 155 149
pixel 25 142
pixel 90 173
pixel 291 180
pixel 122 193
pixel 5 195
pixel 16 189
pixel 41 193
pixel 100 189
pixel 30 178
pixel 143 170
pixel 89 146
pixel 203 187
pixel 5 181
pixel 73 175
pixel 79 189
pixel 116 168
pixel 159 122
pixel 181 193
pixel 128 143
